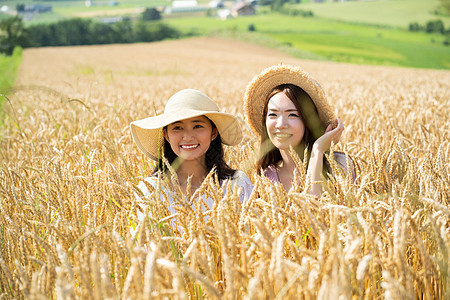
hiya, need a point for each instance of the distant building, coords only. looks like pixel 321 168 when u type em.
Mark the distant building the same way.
pixel 111 20
pixel 224 14
pixel 39 8
pixel 184 6
pixel 242 9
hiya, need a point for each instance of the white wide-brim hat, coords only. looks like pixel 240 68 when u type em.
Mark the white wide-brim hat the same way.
pixel 188 103
pixel 262 85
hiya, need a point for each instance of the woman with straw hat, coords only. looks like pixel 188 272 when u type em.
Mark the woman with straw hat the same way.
pixel 187 139
pixel 287 108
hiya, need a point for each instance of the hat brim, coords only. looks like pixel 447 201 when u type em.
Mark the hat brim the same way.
pixel 148 136
pixel 261 85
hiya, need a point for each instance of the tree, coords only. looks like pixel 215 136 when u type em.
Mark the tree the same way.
pixel 415 26
pixel 12 34
pixel 151 14
pixel 435 26
pixel 41 35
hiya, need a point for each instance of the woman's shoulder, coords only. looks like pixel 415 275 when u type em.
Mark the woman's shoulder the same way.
pixel 240 176
pixel 241 179
pixel 345 162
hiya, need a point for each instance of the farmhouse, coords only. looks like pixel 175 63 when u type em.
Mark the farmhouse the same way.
pixel 242 9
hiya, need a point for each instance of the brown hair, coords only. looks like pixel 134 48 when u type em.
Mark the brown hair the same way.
pixel 269 154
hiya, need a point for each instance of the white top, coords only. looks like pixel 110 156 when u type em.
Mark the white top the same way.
pixel 239 179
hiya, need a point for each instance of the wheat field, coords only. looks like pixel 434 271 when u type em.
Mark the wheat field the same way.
pixel 69 172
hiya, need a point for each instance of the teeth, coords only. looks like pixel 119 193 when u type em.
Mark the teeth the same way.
pixel 282 135
pixel 189 147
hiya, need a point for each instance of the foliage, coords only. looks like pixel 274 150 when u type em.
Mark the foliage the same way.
pixel 415 27
pixel 151 14
pixel 435 26
pixel 12 34
pixel 88 32
pixel 8 70
pixel 149 32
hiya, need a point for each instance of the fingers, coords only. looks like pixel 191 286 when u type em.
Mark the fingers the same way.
pixel 331 135
pixel 340 125
pixel 337 132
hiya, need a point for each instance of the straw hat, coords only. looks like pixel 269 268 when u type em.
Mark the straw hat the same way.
pixel 185 104
pixel 262 85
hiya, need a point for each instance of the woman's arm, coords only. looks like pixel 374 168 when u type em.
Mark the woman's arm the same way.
pixel 321 145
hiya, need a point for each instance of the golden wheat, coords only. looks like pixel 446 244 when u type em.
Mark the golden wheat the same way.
pixel 69 174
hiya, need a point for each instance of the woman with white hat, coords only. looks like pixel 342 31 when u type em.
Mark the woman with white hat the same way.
pixel 287 108
pixel 189 136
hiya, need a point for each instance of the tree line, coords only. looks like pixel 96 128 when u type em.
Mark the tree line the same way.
pixel 434 26
pixel 80 31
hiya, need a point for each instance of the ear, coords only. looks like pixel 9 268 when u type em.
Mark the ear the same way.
pixel 166 136
pixel 214 133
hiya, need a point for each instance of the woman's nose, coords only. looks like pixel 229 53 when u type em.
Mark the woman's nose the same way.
pixel 281 122
pixel 188 135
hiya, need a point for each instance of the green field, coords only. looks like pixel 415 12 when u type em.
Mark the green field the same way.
pixel 8 67
pixel 363 32
pixel 8 73
pixel 398 13
pixel 77 8
pixel 325 39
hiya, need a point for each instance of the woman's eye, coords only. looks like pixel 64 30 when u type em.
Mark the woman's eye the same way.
pixel 198 126
pixel 271 115
pixel 293 115
pixel 176 128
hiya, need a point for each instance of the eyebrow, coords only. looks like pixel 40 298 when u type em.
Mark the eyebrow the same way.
pixel 287 110
pixel 193 121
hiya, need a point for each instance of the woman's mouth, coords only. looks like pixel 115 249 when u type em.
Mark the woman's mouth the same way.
pixel 282 135
pixel 190 146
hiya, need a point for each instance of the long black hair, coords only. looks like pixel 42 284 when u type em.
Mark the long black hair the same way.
pixel 269 154
pixel 214 158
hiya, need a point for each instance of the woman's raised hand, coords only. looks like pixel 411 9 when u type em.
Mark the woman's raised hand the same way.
pixel 323 143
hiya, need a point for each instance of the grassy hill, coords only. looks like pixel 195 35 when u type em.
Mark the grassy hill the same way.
pixel 362 32
pixel 324 39
pixel 388 12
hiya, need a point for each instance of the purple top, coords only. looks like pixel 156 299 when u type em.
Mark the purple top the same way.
pixel 271 173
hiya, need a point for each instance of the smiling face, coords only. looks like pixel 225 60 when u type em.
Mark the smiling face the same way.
pixel 283 122
pixel 190 138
